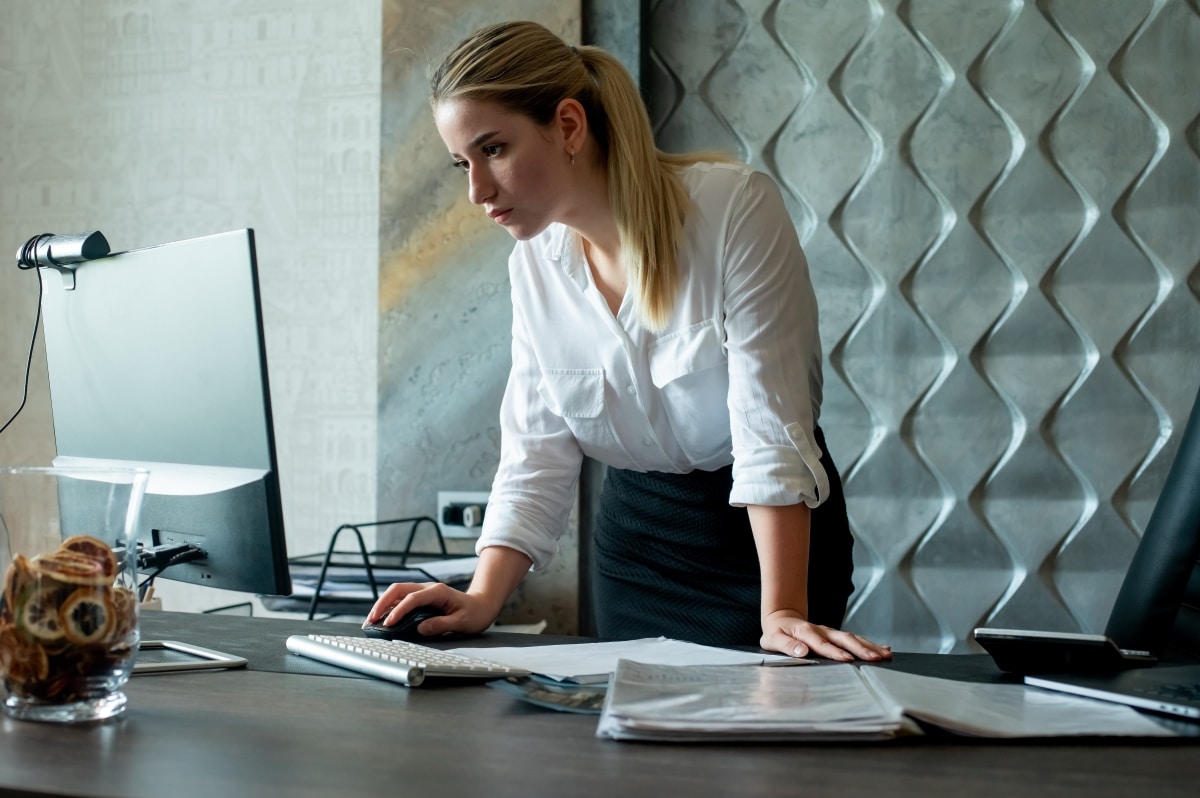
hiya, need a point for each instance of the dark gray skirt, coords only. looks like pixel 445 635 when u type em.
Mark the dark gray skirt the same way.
pixel 671 557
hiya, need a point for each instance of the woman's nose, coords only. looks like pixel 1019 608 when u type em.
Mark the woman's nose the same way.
pixel 480 187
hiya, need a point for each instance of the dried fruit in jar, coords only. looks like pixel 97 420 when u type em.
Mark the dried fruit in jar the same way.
pixel 21 660
pixel 70 567
pixel 37 612
pixel 87 616
pixel 64 624
pixel 94 549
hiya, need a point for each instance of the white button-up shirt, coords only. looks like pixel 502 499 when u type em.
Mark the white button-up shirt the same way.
pixel 735 377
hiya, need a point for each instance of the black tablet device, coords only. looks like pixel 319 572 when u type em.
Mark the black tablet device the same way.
pixel 1025 651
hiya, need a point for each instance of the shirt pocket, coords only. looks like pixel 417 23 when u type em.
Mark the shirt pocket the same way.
pixel 690 370
pixel 577 397
pixel 573 393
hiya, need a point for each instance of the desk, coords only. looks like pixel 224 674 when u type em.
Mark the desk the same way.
pixel 280 727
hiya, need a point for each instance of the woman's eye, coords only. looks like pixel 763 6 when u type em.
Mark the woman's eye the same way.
pixel 459 165
pixel 491 150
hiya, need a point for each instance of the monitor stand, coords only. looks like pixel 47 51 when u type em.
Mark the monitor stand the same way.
pixel 179 656
pixel 172 655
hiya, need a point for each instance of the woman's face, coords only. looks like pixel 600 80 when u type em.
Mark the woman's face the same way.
pixel 514 169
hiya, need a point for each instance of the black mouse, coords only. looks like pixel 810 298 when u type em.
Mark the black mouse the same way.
pixel 405 628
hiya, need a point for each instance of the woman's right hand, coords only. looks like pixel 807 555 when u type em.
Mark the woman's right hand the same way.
pixel 499 572
pixel 465 613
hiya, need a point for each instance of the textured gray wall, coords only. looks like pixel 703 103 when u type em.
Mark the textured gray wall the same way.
pixel 999 203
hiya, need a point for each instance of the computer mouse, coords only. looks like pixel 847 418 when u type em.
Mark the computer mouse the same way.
pixel 405 628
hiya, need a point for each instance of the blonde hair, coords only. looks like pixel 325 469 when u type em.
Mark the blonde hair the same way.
pixel 527 69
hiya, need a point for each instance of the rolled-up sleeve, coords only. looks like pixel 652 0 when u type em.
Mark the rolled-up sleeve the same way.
pixel 773 342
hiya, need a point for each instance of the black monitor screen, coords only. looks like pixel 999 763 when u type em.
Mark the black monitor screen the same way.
pixel 156 359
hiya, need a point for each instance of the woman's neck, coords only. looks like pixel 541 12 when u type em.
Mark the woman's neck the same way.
pixel 608 273
pixel 592 218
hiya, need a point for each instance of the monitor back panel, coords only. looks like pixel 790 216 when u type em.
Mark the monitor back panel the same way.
pixel 152 359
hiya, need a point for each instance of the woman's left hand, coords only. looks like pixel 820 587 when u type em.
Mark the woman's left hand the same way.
pixel 790 634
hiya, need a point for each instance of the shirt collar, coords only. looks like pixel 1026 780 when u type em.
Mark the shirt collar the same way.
pixel 563 246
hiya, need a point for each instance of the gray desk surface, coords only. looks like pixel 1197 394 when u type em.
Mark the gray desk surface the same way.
pixel 278 728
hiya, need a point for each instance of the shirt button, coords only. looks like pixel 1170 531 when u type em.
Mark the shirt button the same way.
pixel 647 442
pixel 631 390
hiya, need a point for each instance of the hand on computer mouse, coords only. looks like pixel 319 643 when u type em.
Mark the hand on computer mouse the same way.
pixel 464 613
pixel 403 629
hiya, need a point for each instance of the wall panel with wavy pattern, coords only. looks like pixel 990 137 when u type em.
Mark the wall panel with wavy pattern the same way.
pixel 1000 201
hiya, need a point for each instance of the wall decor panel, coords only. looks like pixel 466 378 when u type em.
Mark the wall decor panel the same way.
pixel 998 201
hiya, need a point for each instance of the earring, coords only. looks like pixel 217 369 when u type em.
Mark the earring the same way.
pixel 572 157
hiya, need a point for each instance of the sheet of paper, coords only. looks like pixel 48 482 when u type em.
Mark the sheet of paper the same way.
pixel 589 663
pixel 1008 710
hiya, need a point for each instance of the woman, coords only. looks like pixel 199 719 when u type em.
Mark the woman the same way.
pixel 663 324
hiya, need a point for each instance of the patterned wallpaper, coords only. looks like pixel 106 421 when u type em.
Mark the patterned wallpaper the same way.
pixel 158 121
pixel 998 199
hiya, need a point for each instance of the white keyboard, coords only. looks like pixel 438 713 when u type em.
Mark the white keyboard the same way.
pixel 396 660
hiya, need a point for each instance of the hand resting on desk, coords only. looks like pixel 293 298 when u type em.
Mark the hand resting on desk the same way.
pixel 788 633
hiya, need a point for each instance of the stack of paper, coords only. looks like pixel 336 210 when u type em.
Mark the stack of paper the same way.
pixel 349 581
pixel 672 703
pixel 841 702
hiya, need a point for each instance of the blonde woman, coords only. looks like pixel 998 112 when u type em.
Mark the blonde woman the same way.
pixel 663 324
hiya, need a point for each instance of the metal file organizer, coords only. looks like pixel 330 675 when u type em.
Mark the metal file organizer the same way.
pixel 370 568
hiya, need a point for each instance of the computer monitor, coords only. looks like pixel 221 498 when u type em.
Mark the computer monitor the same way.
pixel 156 359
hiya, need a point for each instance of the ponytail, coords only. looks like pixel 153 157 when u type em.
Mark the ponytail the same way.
pixel 645 190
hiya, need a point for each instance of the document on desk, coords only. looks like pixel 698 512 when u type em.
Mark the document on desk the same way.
pixel 594 663
pixel 1008 710
pixel 707 703
pixel 841 702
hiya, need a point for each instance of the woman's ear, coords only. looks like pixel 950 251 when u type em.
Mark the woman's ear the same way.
pixel 572 124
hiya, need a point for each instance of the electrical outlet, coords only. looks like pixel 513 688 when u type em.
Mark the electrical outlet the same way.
pixel 460 512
